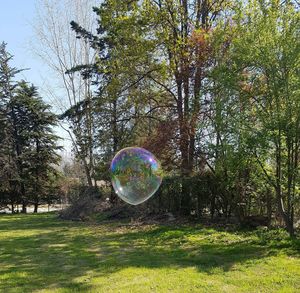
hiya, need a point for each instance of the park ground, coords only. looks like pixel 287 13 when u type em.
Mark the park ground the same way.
pixel 41 253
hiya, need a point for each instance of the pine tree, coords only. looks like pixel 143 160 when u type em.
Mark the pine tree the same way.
pixel 34 141
pixel 8 166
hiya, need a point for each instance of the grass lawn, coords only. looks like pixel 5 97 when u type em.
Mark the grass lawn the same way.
pixel 40 253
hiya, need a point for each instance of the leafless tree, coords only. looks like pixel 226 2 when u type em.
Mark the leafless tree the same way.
pixel 56 44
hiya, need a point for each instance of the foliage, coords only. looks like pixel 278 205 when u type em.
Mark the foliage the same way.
pixel 211 88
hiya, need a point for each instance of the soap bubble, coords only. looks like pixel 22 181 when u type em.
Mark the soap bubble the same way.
pixel 136 174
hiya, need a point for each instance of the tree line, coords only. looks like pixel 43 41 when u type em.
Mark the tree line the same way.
pixel 210 87
pixel 28 146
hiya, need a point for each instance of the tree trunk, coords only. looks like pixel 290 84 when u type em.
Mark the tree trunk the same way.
pixel 185 207
pixel 286 218
pixel 212 206
pixel 269 205
pixel 184 150
pixel 24 208
pixel 87 172
pixel 115 134
pixel 288 222
pixel 36 205
pixel 199 206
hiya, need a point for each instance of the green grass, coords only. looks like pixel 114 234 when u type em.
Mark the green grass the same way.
pixel 40 253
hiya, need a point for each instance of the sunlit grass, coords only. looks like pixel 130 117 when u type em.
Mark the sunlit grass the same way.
pixel 41 253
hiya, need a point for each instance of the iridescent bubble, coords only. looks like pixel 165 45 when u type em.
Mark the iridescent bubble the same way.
pixel 136 175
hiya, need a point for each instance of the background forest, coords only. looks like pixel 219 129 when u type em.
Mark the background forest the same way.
pixel 210 87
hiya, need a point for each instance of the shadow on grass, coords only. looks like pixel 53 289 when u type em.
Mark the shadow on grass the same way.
pixel 57 254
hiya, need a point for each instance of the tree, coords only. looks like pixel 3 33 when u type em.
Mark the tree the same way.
pixel 62 51
pixel 266 57
pixel 9 175
pixel 35 144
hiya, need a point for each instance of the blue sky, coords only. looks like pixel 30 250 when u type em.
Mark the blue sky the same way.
pixel 16 17
pixel 16 31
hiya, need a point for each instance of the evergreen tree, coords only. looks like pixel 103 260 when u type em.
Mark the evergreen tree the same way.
pixel 35 143
pixel 28 146
pixel 9 177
